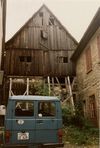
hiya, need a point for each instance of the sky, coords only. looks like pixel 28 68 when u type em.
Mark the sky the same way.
pixel 75 15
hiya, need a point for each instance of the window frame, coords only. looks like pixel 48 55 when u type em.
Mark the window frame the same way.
pixel 23 111
pixel 92 106
pixel 47 116
pixel 62 59
pixel 26 59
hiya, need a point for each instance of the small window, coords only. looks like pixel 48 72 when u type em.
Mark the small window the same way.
pixel 24 108
pixel 65 59
pixel 22 59
pixel 46 109
pixel 92 106
pixel 29 59
pixel 88 59
pixel 62 59
pixel 25 59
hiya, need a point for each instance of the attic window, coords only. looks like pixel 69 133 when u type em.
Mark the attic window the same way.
pixel 41 14
pixel 62 59
pixel 44 34
pixel 51 20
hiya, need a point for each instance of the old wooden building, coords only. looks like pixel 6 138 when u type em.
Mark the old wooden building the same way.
pixel 42 47
pixel 87 59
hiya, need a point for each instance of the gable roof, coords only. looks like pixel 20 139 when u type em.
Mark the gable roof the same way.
pixel 92 28
pixel 43 6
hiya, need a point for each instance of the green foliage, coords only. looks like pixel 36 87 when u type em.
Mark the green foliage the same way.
pixel 78 129
pixel 66 115
pixel 76 118
pixel 38 88
pixel 81 136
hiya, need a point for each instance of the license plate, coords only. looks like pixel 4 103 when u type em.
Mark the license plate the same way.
pixel 23 136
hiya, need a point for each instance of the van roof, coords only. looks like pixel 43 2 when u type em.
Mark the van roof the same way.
pixel 31 97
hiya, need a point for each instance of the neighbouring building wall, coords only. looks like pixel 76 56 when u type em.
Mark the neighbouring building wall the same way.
pixel 2 43
pixel 1 31
pixel 89 81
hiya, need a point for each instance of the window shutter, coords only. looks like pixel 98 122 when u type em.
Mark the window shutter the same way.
pixel 88 60
pixel 98 44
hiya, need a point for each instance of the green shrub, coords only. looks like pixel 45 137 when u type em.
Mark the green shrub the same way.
pixel 38 88
pixel 81 136
pixel 66 115
pixel 78 129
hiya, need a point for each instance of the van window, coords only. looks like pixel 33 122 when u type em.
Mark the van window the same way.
pixel 24 108
pixel 46 109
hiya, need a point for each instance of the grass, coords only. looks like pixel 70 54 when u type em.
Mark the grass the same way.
pixel 81 136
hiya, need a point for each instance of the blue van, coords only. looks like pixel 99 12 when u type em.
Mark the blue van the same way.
pixel 33 120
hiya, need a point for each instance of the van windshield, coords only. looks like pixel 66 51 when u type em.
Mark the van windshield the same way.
pixel 24 108
pixel 46 109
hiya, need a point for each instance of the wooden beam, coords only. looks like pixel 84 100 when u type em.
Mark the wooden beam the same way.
pixel 49 85
pixel 53 84
pixel 27 89
pixel 66 84
pixel 71 95
pixel 10 88
pixel 58 81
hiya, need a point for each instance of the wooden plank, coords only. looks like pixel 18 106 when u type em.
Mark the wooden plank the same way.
pixel 53 85
pixel 71 95
pixel 49 85
pixel 58 81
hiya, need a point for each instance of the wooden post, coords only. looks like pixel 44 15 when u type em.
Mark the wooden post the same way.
pixel 27 89
pixel 58 82
pixel 53 84
pixel 71 95
pixel 66 84
pixel 10 88
pixel 49 85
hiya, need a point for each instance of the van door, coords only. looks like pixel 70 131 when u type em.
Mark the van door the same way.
pixel 46 122
pixel 23 122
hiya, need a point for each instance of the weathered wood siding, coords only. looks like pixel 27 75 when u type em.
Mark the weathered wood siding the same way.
pixel 44 39
pixel 30 37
